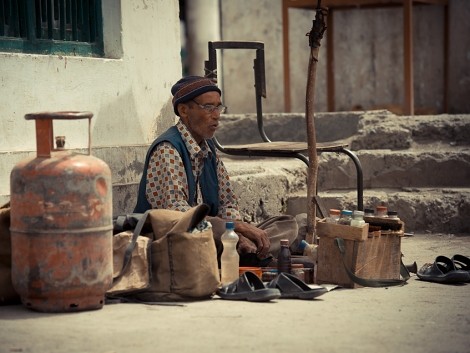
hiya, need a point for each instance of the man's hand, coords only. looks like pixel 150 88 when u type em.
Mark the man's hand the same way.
pixel 246 246
pixel 258 236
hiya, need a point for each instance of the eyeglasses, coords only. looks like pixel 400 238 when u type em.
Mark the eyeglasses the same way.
pixel 210 108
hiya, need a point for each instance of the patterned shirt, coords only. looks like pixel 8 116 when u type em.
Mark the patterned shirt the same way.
pixel 167 185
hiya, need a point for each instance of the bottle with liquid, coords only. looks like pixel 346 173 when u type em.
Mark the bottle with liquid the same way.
pixel 298 271
pixel 345 217
pixel 368 212
pixel 230 259
pixel 284 261
pixel 309 250
pixel 381 211
pixel 392 215
pixel 333 216
pixel 358 219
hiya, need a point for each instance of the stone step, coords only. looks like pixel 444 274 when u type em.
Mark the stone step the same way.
pixel 262 184
pixel 271 186
pixel 442 166
pixel 442 210
pixel 361 130
pixel 383 131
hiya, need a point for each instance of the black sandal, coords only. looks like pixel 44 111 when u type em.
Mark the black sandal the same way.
pixel 442 271
pixel 292 287
pixel 461 263
pixel 248 287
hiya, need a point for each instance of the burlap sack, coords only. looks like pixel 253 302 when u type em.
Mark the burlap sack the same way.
pixel 8 294
pixel 136 276
pixel 184 258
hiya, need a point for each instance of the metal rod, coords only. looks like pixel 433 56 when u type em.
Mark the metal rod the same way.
pixel 50 19
pixel 62 19
pixel 74 21
pixel 29 21
pixel 408 57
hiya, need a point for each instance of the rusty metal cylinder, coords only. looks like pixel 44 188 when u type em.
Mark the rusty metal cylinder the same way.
pixel 61 224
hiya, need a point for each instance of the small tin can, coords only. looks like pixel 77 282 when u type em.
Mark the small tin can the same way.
pixel 298 271
pixel 381 211
pixel 268 273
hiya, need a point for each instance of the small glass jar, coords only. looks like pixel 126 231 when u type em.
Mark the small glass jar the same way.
pixel 358 219
pixel 381 211
pixel 309 275
pixel 345 217
pixel 309 250
pixel 333 215
pixel 368 212
pixel 298 271
pixel 392 215
pixel 268 274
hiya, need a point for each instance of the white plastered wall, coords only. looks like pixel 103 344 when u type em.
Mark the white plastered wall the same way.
pixel 128 91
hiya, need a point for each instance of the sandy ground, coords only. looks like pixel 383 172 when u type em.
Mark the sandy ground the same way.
pixel 418 317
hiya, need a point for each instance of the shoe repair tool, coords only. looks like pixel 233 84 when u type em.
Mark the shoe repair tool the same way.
pixel 315 35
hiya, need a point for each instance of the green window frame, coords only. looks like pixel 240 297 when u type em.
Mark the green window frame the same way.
pixel 67 27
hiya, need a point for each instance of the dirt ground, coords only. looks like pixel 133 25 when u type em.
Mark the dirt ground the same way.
pixel 420 317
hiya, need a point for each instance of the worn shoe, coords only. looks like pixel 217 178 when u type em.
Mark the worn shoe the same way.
pixel 442 271
pixel 292 287
pixel 461 263
pixel 413 268
pixel 248 287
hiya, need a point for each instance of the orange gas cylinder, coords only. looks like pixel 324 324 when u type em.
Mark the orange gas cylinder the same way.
pixel 61 224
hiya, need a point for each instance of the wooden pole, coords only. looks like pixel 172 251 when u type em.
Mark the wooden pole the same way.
pixel 315 36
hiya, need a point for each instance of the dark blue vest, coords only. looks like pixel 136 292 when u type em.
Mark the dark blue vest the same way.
pixel 208 178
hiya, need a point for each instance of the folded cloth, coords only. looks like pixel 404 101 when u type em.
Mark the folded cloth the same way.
pixel 443 270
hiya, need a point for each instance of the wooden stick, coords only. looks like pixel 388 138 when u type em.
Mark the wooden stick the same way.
pixel 315 36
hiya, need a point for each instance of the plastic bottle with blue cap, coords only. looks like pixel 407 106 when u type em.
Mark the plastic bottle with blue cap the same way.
pixel 230 259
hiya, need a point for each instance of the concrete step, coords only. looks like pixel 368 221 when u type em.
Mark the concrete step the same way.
pixel 442 166
pixel 272 186
pixel 361 130
pixel 388 131
pixel 262 184
pixel 420 166
pixel 442 210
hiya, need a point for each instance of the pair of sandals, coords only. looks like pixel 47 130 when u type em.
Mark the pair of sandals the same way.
pixel 455 270
pixel 285 286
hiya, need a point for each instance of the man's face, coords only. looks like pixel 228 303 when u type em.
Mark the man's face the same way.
pixel 201 123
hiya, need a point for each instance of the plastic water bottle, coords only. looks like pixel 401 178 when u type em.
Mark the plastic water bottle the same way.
pixel 284 260
pixel 230 259
pixel 345 217
pixel 309 250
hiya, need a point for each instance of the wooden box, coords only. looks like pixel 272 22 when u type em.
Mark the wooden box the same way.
pixel 370 255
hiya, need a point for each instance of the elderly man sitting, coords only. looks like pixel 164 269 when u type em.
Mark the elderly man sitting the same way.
pixel 183 169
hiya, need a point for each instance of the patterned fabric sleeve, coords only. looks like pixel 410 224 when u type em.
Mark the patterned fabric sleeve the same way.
pixel 167 185
pixel 228 203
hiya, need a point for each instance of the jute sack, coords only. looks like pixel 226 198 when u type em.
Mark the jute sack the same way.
pixel 182 258
pixel 136 275
pixel 8 294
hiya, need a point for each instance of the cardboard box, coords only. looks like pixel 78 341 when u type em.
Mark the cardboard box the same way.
pixel 368 255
